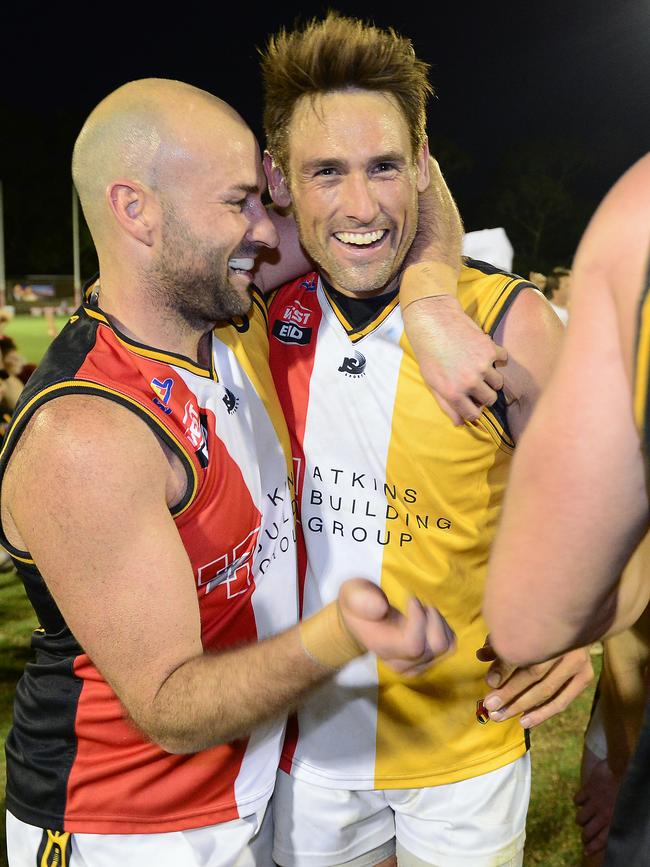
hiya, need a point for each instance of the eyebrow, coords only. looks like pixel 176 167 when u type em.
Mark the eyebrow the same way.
pixel 337 163
pixel 249 189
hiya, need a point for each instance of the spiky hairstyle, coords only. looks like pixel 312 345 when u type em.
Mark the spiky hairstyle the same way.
pixel 337 53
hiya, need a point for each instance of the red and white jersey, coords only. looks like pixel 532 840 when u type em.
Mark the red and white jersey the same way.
pixel 75 761
pixel 389 490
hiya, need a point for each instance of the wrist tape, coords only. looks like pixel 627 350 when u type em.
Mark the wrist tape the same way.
pixel 427 280
pixel 327 640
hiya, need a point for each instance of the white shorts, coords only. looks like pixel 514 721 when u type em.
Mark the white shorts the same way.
pixel 243 842
pixel 480 822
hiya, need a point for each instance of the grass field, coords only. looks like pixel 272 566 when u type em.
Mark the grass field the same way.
pixel 553 839
pixel 30 334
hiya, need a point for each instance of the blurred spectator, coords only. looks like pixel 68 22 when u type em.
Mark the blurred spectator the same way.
pixel 12 363
pixel 5 317
pixel 558 290
pixel 538 279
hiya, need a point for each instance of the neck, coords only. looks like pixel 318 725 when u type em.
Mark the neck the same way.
pixel 149 323
pixel 363 293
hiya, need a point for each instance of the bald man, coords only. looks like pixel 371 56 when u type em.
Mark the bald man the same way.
pixel 147 501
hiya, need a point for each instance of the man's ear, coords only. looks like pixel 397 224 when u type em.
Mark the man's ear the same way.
pixel 134 209
pixel 278 187
pixel 422 166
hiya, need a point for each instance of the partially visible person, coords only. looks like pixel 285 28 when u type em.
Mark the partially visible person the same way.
pixel 538 279
pixel 13 364
pixel 583 464
pixel 557 288
pixel 6 315
pixel 50 321
pixel 614 727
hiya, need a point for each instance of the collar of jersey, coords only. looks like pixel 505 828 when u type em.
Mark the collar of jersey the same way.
pixel 355 334
pixel 150 351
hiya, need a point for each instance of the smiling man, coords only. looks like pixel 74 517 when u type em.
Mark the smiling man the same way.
pixel 386 484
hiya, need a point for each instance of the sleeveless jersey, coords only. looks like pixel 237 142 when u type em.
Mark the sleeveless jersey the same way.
pixel 74 761
pixel 390 490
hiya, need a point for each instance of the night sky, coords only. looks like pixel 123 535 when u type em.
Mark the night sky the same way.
pixel 568 82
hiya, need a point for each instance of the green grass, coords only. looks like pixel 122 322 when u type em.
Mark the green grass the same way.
pixel 552 837
pixel 18 622
pixel 30 334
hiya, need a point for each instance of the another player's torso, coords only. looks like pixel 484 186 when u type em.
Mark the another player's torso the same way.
pixel 225 426
pixel 390 490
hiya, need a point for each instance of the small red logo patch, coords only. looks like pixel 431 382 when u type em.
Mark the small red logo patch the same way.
pixel 482 714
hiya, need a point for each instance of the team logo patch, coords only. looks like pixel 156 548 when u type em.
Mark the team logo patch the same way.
pixel 231 401
pixel 197 431
pixel 482 714
pixel 309 285
pixel 295 312
pixel 232 569
pixel 287 332
pixel 355 366
pixel 54 850
pixel 163 392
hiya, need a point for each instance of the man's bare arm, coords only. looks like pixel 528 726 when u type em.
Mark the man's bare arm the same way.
pixel 577 504
pixel 456 358
pixel 87 494
pixel 536 692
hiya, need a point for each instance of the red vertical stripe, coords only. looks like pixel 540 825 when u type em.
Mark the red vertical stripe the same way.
pixel 292 365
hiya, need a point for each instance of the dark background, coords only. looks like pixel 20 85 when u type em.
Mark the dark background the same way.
pixel 539 106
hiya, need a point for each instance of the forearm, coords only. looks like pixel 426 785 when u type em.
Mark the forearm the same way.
pixel 433 262
pixel 216 698
pixel 556 559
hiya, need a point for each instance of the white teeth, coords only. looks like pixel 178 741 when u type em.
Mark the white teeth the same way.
pixel 359 239
pixel 241 264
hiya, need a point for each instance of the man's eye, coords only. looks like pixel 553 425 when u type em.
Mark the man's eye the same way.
pixel 385 167
pixel 238 203
pixel 326 172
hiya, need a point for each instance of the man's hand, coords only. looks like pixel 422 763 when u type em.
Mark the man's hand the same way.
pixel 408 643
pixel 595 803
pixel 456 358
pixel 537 691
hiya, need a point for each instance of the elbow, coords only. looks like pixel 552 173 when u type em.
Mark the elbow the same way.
pixel 519 649
pixel 175 736
pixel 516 638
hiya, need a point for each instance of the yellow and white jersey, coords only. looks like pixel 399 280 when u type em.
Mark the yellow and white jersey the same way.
pixel 642 372
pixel 391 491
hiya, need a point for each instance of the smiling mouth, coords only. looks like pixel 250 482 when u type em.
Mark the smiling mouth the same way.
pixel 363 240
pixel 241 266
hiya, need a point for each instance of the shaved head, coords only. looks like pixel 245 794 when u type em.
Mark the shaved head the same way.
pixel 170 181
pixel 144 131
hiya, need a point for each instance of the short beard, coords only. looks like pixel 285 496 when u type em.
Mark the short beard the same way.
pixel 190 278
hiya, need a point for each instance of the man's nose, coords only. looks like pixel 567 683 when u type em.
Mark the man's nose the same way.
pixel 360 201
pixel 261 229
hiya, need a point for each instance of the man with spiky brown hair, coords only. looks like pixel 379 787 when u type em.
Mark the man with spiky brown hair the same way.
pixel 377 764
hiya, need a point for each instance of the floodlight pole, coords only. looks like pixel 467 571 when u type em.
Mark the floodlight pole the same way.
pixel 3 276
pixel 75 248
